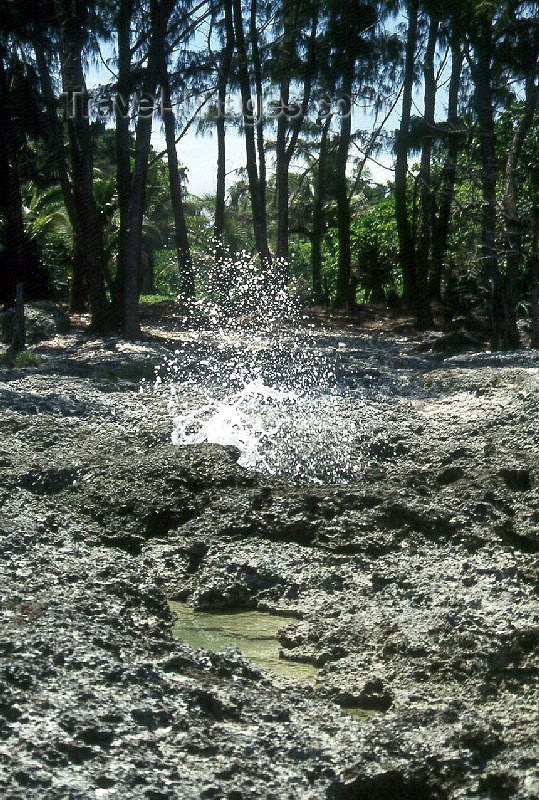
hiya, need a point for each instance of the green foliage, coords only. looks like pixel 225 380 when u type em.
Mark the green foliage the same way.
pixel 133 373
pixel 22 359
pixel 463 280
pixel 375 251
pixel 166 275
pixel 47 226
pixel 300 264
pixel 374 245
pixel 152 299
pixel 26 358
pixel 376 53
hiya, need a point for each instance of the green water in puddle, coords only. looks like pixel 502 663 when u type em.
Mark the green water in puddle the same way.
pixel 253 632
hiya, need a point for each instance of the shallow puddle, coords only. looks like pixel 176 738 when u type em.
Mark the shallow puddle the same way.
pixel 253 632
pixel 360 713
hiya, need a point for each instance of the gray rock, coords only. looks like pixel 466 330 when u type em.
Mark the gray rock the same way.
pixel 43 319
pixel 415 588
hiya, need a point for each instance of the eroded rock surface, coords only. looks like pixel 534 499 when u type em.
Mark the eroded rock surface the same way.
pixel 415 587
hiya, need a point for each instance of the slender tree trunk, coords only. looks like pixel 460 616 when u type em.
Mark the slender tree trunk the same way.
pixel 147 282
pixel 343 294
pixel 284 151
pixel 78 291
pixel 281 171
pixel 224 77
pixel 259 212
pixel 406 242
pixel 220 193
pixel 449 172
pixel 534 278
pixel 259 127
pixel 513 221
pixel 282 162
pixel 18 342
pixel 90 246
pixel 185 266
pixel 123 149
pixel 11 200
pixel 318 214
pixel 55 131
pixel 423 311
pixel 159 14
pixel 482 75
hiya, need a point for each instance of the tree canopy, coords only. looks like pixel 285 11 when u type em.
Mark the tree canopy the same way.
pixel 442 97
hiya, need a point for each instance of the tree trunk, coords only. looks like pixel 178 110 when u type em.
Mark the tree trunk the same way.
pixel 282 162
pixel 147 276
pixel 259 212
pixel 78 290
pixel 281 171
pixel 80 141
pixel 123 149
pixel 185 266
pixel 318 215
pixel 513 222
pixel 55 131
pixel 423 311
pixel 485 113
pixel 159 14
pixel 449 172
pixel 11 200
pixel 534 276
pixel 406 243
pixel 220 193
pixel 259 126
pixel 284 152
pixel 224 77
pixel 343 294
pixel 18 342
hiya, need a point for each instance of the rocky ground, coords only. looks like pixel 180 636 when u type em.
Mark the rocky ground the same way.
pixel 415 586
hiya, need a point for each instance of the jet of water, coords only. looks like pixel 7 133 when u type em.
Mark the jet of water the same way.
pixel 254 376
